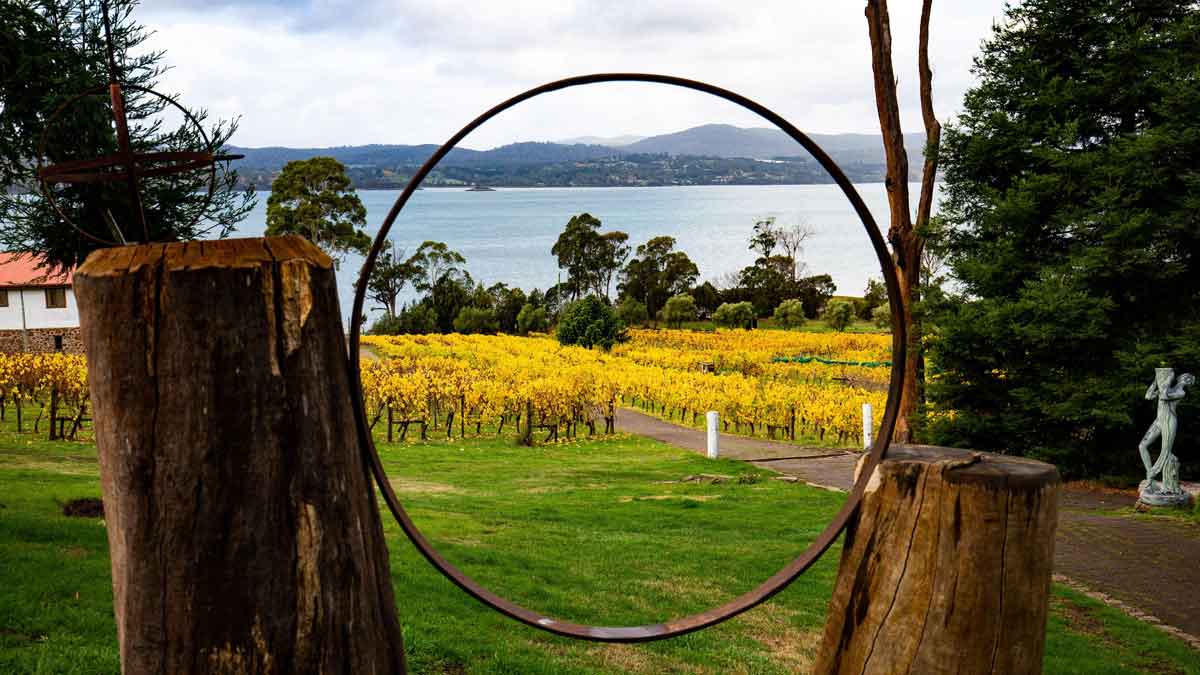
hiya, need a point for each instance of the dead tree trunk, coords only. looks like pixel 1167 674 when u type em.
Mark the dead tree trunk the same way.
pixel 906 236
pixel 243 529
pixel 946 568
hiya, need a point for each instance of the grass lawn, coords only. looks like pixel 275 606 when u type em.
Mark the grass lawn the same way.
pixel 588 530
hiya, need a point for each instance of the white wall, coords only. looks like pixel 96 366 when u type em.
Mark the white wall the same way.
pixel 37 315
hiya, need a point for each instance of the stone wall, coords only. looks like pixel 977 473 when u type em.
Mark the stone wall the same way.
pixel 41 340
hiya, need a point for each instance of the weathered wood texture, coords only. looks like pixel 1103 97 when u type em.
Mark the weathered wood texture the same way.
pixel 946 568
pixel 243 527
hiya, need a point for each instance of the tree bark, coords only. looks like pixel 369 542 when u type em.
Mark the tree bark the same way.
pixel 946 567
pixel 907 239
pixel 242 523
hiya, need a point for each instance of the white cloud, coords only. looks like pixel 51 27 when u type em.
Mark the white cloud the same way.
pixel 320 73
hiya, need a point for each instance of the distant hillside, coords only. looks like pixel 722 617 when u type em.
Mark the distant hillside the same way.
pixel 713 154
pixel 610 141
pixel 723 140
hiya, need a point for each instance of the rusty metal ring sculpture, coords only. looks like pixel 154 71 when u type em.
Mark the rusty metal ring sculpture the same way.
pixel 780 579
pixel 96 170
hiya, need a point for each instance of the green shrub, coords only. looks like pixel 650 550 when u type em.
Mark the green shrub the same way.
pixel 590 323
pixel 882 316
pixel 735 315
pixel 790 314
pixel 476 320
pixel 631 312
pixel 838 314
pixel 678 309
pixel 414 320
pixel 532 319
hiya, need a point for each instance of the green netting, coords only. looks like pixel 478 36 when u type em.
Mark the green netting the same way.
pixel 830 362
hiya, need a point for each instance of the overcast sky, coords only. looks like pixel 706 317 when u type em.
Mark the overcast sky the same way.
pixel 315 73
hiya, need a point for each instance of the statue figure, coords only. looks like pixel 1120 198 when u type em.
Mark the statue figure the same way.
pixel 1168 392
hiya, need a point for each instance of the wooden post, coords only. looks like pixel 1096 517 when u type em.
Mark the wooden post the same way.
pixel 242 523
pixel 54 413
pixel 946 568
pixel 527 439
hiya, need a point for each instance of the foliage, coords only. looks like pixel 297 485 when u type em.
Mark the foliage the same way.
pixel 476 320
pixel 632 313
pixel 590 257
pixel 874 296
pixel 388 278
pixel 708 299
pixel 388 324
pixel 735 315
pixel 434 261
pixel 51 50
pixel 656 273
pixel 838 314
pixel 815 292
pixel 313 198
pixel 590 323
pixel 678 309
pixel 765 237
pixel 416 319
pixel 507 304
pixel 882 316
pixel 765 284
pixel 448 296
pixel 1073 208
pixel 790 314
pixel 532 319
pixel 486 377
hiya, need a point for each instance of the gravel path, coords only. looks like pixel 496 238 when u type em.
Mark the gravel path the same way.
pixel 1151 565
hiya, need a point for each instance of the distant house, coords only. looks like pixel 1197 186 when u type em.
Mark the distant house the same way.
pixel 37 310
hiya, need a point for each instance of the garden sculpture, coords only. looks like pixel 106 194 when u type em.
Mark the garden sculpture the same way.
pixel 1166 491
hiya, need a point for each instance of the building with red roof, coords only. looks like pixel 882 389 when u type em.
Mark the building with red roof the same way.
pixel 37 308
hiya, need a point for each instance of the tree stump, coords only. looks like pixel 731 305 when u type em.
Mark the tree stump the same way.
pixel 242 523
pixel 946 568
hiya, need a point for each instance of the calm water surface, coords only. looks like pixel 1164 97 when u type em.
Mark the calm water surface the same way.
pixel 506 235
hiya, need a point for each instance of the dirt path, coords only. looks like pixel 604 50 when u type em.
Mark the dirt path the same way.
pixel 1151 565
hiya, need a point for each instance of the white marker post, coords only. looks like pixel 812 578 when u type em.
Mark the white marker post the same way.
pixel 714 434
pixel 868 426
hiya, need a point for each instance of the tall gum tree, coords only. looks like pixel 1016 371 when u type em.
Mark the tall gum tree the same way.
pixel 905 234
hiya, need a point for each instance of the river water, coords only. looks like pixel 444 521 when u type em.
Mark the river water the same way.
pixel 506 235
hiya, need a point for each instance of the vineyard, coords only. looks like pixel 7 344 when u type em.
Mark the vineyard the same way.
pixel 56 383
pixel 472 382
pixel 460 384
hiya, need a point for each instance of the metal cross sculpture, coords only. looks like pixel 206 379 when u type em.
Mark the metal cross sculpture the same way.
pixel 125 164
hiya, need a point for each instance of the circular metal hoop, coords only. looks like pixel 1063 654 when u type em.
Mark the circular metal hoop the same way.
pixel 780 579
pixel 92 170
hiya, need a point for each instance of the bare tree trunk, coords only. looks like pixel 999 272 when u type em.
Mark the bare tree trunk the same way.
pixel 907 239
pixel 946 567
pixel 242 523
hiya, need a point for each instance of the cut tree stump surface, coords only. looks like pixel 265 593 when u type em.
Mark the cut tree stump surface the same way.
pixel 1149 564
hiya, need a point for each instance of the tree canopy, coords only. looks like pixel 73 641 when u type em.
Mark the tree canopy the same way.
pixel 313 198
pixel 658 272
pixel 1073 230
pixel 590 257
pixel 52 50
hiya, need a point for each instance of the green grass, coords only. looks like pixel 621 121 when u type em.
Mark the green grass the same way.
pixel 590 531
pixel 1183 514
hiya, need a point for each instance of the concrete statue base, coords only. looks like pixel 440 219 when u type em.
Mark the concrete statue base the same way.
pixel 1153 493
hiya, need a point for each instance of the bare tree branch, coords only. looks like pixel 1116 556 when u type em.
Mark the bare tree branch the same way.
pixel 896 182
pixel 933 130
